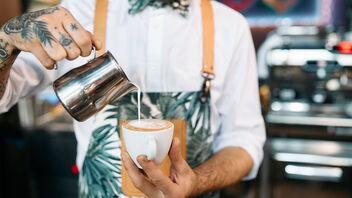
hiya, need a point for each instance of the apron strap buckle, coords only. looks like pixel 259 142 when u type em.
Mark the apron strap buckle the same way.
pixel 206 89
pixel 207 75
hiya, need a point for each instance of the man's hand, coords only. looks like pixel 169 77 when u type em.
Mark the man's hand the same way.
pixel 51 35
pixel 152 181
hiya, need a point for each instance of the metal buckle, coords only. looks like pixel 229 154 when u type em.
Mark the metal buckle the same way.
pixel 206 86
pixel 208 76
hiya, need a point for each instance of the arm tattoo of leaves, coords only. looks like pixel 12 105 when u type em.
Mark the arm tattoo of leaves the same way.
pixel 73 27
pixel 65 40
pixel 27 25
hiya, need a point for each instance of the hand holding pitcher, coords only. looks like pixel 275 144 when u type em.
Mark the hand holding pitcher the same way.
pixel 51 35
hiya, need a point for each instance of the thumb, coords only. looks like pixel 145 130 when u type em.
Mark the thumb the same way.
pixel 175 155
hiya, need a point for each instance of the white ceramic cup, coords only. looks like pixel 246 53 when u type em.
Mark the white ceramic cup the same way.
pixel 149 137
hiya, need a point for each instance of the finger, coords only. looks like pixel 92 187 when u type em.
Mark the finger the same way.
pixel 96 42
pixel 65 40
pixel 51 46
pixel 137 177
pixel 43 57
pixel 155 175
pixel 176 156
pixel 81 37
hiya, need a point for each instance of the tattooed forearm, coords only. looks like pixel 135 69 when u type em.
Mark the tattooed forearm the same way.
pixel 73 27
pixel 4 52
pixel 28 25
pixel 5 68
pixel 7 56
pixel 7 63
pixel 65 40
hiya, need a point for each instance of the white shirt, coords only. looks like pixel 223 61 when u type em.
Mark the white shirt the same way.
pixel 162 51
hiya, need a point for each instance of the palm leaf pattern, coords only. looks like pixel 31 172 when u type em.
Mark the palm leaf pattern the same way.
pixel 41 29
pixel 100 175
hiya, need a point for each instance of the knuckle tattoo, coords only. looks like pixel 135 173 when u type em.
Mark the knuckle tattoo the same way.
pixel 73 27
pixel 65 40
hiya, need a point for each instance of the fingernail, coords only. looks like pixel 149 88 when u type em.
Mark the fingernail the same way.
pixel 143 158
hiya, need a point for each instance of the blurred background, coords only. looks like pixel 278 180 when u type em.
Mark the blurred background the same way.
pixel 304 52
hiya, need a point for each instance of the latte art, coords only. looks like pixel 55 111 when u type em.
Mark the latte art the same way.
pixel 148 125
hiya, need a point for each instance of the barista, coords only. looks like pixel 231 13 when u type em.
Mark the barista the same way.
pixel 160 45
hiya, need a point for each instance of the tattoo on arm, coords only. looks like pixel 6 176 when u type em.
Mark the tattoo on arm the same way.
pixel 73 27
pixel 28 25
pixel 5 68
pixel 65 40
pixel 4 54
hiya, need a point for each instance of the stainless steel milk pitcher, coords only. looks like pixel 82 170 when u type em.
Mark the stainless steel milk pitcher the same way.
pixel 87 89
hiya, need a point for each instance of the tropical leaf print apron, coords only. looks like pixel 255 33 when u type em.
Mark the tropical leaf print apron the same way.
pixel 100 175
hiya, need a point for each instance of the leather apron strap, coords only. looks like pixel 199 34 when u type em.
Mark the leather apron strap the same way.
pixel 208 39
pixel 100 19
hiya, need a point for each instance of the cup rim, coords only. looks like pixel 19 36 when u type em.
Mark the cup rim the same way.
pixel 144 130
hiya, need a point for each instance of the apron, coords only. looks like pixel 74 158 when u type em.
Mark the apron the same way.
pixel 101 174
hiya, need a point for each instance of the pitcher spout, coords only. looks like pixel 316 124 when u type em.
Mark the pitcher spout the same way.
pixel 125 89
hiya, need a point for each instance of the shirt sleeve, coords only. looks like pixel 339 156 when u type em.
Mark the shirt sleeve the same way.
pixel 27 76
pixel 239 107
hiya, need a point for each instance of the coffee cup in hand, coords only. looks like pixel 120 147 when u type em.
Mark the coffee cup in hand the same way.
pixel 149 137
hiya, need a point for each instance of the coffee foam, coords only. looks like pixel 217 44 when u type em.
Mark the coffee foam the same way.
pixel 148 125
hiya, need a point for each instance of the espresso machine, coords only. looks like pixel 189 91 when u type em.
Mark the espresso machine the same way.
pixel 307 73
pixel 310 80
